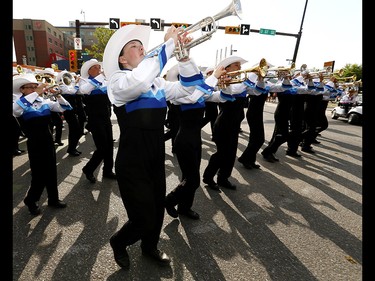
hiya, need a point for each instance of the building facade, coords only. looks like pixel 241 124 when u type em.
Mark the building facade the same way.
pixel 38 43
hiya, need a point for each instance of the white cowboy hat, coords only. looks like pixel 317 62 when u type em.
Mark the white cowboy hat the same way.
pixel 172 74
pixel 208 69
pixel 232 59
pixel 118 40
pixel 23 79
pixel 49 71
pixel 86 66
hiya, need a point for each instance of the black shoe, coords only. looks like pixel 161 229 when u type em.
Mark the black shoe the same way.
pixel 249 166
pixel 33 207
pixel 74 153
pixel 189 213
pixel 59 143
pixel 269 157
pixel 254 166
pixel 120 254
pixel 293 153
pixel 110 175
pixel 57 204
pixel 308 149
pixel 171 210
pixel 89 176
pixel 211 184
pixel 226 184
pixel 157 256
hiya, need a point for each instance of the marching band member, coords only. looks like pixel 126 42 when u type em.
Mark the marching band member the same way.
pixel 280 135
pixel 254 117
pixel 226 130
pixel 188 145
pixel 69 89
pixel 139 97
pixel 303 85
pixel 329 94
pixel 48 75
pixel 312 101
pixel 258 95
pixel 93 85
pixel 34 115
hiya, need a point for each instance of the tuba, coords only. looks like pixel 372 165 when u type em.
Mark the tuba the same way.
pixel 240 76
pixel 182 50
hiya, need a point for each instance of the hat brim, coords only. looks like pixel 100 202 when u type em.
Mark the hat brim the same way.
pixel 118 40
pixel 87 65
pixel 23 79
pixel 232 59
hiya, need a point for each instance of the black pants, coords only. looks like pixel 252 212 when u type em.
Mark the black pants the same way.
pixel 254 117
pixel 101 130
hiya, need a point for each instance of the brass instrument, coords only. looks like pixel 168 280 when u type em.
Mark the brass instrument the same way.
pixel 281 71
pixel 52 89
pixel 352 78
pixel 182 50
pixel 67 79
pixel 20 69
pixel 240 76
pixel 319 73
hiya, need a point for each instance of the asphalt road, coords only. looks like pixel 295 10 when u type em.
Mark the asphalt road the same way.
pixel 299 219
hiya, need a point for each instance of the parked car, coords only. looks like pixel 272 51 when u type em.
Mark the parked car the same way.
pixel 353 114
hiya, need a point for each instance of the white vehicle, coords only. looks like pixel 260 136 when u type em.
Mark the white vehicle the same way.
pixel 353 113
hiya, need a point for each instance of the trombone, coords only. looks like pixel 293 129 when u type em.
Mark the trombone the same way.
pixel 182 50
pixel 240 76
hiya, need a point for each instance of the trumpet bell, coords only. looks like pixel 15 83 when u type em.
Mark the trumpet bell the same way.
pixel 182 50
pixel 240 76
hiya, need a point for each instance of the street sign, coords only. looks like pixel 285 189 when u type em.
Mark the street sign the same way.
pixel 114 23
pixel 267 31
pixel 155 23
pixel 245 29
pixel 77 43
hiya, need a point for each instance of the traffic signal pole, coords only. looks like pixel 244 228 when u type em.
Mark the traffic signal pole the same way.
pixel 299 34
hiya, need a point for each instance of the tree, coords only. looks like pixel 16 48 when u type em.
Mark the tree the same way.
pixel 352 69
pixel 102 34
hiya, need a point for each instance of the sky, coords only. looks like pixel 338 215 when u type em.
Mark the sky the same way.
pixel 331 29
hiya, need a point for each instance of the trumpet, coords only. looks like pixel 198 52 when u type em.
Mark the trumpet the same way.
pixel 352 78
pixel 240 76
pixel 281 72
pixel 182 50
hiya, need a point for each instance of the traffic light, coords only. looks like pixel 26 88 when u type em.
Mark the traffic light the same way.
pixel 183 25
pixel 232 30
pixel 73 60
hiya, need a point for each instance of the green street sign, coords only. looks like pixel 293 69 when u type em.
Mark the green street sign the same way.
pixel 267 31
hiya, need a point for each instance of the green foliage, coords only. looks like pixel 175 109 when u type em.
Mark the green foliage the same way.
pixel 352 69
pixel 102 34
